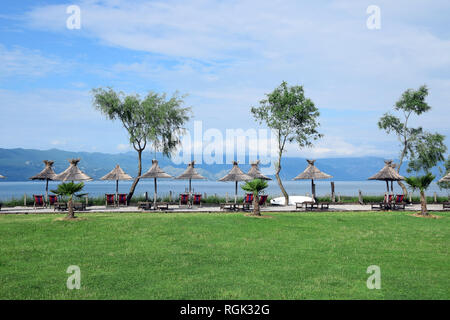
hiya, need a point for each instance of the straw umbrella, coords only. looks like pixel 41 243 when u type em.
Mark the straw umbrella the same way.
pixel 189 174
pixel 311 172
pixel 2 177
pixel 72 173
pixel 46 174
pixel 116 174
pixel 236 175
pixel 255 173
pixel 155 172
pixel 388 173
pixel 446 178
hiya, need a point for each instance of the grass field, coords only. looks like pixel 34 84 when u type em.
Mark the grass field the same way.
pixel 225 256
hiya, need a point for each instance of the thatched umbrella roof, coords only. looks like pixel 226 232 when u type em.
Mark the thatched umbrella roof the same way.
pixel 116 174
pixel 2 177
pixel 255 173
pixel 311 172
pixel 190 173
pixel 388 173
pixel 72 173
pixel 155 172
pixel 446 178
pixel 235 174
pixel 47 173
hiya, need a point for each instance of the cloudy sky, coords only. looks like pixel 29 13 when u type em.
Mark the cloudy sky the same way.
pixel 225 55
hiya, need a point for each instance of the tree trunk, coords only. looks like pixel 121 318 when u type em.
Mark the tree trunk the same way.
pixel 70 212
pixel 280 184
pixel 256 211
pixel 423 203
pixel 405 191
pixel 136 180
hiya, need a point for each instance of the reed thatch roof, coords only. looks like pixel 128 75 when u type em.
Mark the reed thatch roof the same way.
pixel 47 173
pixel 388 173
pixel 446 178
pixel 155 172
pixel 190 173
pixel 311 172
pixel 236 174
pixel 255 173
pixel 2 177
pixel 72 173
pixel 116 174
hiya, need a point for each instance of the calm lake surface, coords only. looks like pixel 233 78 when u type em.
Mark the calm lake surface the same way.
pixel 9 190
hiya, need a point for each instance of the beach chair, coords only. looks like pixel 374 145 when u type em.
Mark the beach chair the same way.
pixel 79 206
pixel 248 201
pixel 38 201
pixel 262 200
pixel 52 199
pixel 197 199
pixel 122 199
pixel 446 205
pixel 184 199
pixel 110 200
pixel 399 202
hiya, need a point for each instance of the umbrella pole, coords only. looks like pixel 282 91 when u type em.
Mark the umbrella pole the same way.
pixel 190 196
pixel 154 196
pixel 387 186
pixel 235 193
pixel 117 190
pixel 392 186
pixel 46 190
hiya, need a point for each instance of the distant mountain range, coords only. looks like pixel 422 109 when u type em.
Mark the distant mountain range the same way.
pixel 20 164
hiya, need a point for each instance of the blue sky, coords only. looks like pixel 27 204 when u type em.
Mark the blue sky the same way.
pixel 225 55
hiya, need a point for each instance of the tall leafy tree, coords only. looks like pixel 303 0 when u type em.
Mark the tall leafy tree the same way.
pixel 153 119
pixel 412 102
pixel 292 117
pixel 427 152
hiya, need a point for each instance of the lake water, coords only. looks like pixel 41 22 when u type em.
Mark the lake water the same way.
pixel 9 190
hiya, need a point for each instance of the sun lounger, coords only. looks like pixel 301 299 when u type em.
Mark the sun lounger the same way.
pixel 228 206
pixel 110 200
pixel 399 203
pixel 122 199
pixel 263 200
pixel 79 206
pixel 60 206
pixel 52 199
pixel 145 205
pixel 184 199
pixel 38 201
pixel 197 199
pixel 446 205
pixel 162 205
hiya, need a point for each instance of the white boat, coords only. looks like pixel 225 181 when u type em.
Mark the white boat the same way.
pixel 292 200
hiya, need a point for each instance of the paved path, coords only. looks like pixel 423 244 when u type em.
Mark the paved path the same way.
pixel 176 208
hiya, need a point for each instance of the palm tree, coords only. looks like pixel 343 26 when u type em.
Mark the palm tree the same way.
pixel 69 189
pixel 255 186
pixel 421 183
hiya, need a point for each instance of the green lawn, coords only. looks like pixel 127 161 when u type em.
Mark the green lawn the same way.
pixel 225 256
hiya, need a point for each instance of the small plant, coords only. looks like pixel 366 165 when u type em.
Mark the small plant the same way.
pixel 69 189
pixel 421 183
pixel 255 186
